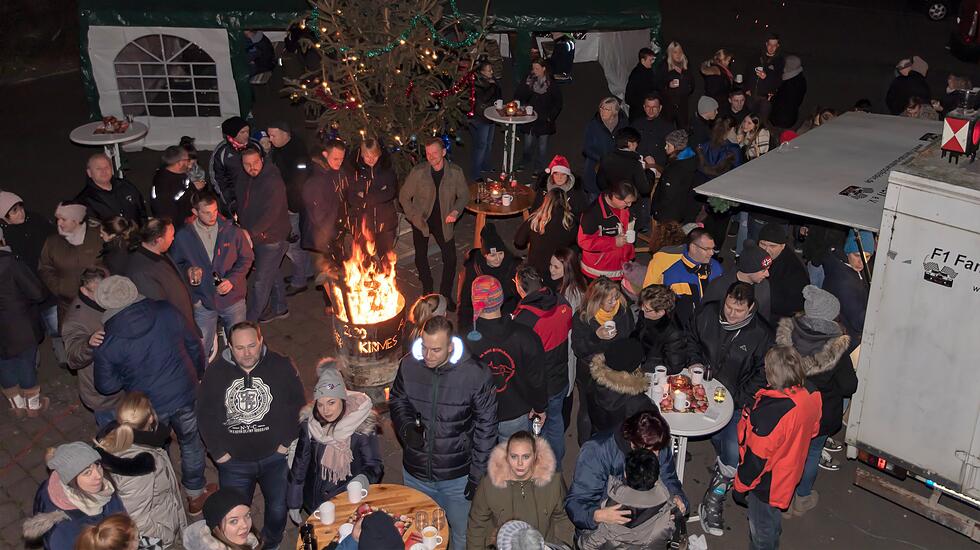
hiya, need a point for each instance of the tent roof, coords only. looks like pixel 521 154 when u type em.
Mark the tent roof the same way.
pixel 567 15
pixel 853 152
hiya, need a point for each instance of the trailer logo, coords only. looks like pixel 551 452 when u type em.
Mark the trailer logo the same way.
pixel 856 191
pixel 934 274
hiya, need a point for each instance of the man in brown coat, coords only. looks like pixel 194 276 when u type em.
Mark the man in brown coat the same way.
pixel 433 198
pixel 82 331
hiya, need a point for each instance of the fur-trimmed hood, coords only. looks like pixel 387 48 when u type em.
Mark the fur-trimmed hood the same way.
pixel 828 355
pixel 197 536
pixel 628 383
pixel 36 526
pixel 544 469
pixel 709 68
pixel 368 427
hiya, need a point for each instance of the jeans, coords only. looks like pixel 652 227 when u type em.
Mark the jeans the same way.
pixel 49 317
pixel 765 524
pixel 810 467
pixel 267 288
pixel 482 134
pixel 183 421
pixel 207 320
pixel 535 155
pixel 816 274
pixel 448 249
pixel 553 430
pixel 19 371
pixel 725 442
pixel 302 265
pixel 270 474
pixel 508 428
pixel 448 495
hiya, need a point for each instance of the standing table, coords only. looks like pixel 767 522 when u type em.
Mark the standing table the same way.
pixel 396 499
pixel 510 132
pixel 523 199
pixel 85 135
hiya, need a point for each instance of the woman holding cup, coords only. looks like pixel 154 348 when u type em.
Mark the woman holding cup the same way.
pixel 539 91
pixel 676 86
pixel 338 441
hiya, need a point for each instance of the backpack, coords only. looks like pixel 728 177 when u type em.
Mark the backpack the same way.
pixel 552 326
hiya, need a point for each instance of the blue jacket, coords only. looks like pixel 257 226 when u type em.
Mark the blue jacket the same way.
pixel 61 533
pixel 233 258
pixel 602 456
pixel 149 347
pixel 598 141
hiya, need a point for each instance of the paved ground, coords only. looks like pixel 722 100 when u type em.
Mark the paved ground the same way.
pixel 848 49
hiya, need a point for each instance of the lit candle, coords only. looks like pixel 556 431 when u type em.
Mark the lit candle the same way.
pixel 387 392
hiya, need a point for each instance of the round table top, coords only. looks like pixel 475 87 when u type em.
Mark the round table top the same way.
pixel 523 199
pixel 492 114
pixel 396 499
pixel 696 424
pixel 85 134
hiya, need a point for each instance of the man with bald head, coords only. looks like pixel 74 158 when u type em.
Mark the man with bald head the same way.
pixel 106 196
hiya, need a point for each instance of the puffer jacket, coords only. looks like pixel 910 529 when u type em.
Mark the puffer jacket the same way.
pixel 198 536
pixel 650 525
pixel 664 343
pixel 736 357
pixel 457 403
pixel 602 457
pixel 60 527
pixel 148 347
pixel 611 396
pixel 147 484
pixel 540 501
pixel 826 363
pixel 308 486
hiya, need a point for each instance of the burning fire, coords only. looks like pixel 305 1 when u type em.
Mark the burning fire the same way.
pixel 372 294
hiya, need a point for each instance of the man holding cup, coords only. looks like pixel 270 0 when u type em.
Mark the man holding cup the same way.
pixel 155 274
pixel 764 79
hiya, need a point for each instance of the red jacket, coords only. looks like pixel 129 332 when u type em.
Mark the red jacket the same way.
pixel 597 236
pixel 773 438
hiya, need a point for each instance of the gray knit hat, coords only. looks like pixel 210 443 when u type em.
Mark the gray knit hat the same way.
pixel 519 535
pixel 71 459
pixel 677 139
pixel 706 105
pixel 116 293
pixel 330 384
pixel 820 304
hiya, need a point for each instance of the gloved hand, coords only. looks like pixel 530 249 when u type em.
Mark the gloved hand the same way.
pixel 295 517
pixel 412 438
pixel 470 490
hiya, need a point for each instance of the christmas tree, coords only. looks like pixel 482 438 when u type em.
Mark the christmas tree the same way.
pixel 397 71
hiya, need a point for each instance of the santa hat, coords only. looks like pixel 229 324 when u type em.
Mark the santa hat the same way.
pixel 560 165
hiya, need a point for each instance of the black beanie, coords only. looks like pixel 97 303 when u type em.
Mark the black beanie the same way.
pixel 625 356
pixel 230 127
pixel 753 259
pixel 491 240
pixel 378 532
pixel 217 506
pixel 774 233
pixel 281 125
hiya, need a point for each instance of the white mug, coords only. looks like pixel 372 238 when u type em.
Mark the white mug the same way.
pixel 659 375
pixel 356 492
pixel 697 375
pixel 738 78
pixel 529 109
pixel 418 546
pixel 611 327
pixel 760 70
pixel 675 83
pixel 325 513
pixel 518 103
pixel 499 104
pixel 431 537
pixel 506 200
pixel 680 401
pixel 345 530
pixel 630 236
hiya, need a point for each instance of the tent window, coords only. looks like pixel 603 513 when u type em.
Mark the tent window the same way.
pixel 166 76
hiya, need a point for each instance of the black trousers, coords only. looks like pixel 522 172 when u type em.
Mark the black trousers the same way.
pixel 448 250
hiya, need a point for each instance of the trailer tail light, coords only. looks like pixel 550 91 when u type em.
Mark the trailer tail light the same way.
pixel 882 465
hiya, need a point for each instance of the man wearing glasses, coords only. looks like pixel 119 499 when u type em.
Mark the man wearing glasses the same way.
pixel 687 270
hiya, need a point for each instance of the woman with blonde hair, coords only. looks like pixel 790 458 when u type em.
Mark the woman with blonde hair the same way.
pixel 132 451
pixel 550 227
pixel 676 86
pixel 116 532
pixel 425 308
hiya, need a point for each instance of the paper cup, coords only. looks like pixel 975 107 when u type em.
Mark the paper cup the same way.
pixel 529 109
pixel 631 236
pixel 506 200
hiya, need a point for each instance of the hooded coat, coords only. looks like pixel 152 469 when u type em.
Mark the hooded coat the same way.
pixel 540 501
pixel 597 232
pixel 826 363
pixel 149 347
pixel 198 536
pixel 554 314
pixel 512 352
pixel 60 525
pixel 308 487
pixel 650 526
pixel 27 239
pixel 62 263
pixel 611 396
pixel 577 200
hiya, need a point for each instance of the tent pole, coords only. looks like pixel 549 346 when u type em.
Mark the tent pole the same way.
pixel 864 262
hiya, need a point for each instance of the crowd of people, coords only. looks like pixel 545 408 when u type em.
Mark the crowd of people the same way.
pixel 157 306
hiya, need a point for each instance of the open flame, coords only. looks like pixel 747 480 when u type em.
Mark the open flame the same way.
pixel 372 294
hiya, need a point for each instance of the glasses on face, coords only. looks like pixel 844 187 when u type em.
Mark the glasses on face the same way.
pixel 704 248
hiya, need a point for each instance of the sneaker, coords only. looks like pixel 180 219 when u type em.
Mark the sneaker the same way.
pixel 827 462
pixel 832 445
pixel 196 504
pixel 275 317
pixel 294 290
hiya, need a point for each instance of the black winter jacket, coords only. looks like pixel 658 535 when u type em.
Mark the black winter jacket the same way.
pixel 718 82
pixel 736 358
pixel 773 67
pixel 786 103
pixel 20 295
pixel 904 88
pixel 542 246
pixel 547 106
pixel 674 198
pixel 170 196
pixel 612 396
pixel 267 401
pixel 585 342
pixel 26 240
pixel 293 162
pixel 641 83
pixel 322 208
pixel 787 277
pixel 372 196
pixel 653 137
pixel 623 165
pixel 123 200
pixel 718 288
pixel 457 403
pixel 476 265
pixel 487 92
pixel 262 209
pixel 157 277
pixel 224 166
pixel 545 303
pixel 675 100
pixel 664 343
pixel 850 289
pixel 513 354
pixel 573 190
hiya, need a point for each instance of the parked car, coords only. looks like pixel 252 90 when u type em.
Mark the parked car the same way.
pixel 937 10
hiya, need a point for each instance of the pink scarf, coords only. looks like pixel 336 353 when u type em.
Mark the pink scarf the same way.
pixel 337 454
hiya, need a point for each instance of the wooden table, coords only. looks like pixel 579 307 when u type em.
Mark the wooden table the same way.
pixel 523 199
pixel 396 499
